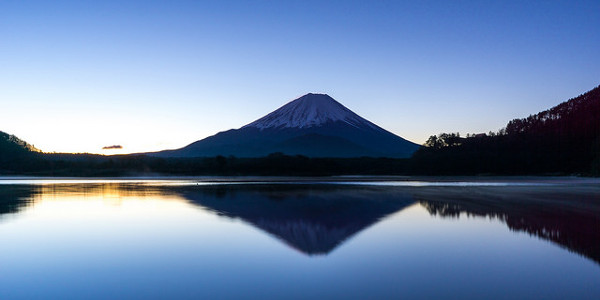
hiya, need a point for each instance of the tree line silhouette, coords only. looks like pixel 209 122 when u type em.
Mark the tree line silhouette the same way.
pixel 141 165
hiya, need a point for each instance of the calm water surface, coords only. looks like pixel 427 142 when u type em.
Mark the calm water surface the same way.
pixel 123 239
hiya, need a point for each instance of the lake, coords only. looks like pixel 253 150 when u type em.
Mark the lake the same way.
pixel 338 238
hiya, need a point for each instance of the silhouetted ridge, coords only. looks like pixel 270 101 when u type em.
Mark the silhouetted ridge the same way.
pixel 15 154
pixel 579 115
pixel 11 143
pixel 562 140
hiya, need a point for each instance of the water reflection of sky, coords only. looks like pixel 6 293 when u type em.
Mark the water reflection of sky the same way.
pixel 124 240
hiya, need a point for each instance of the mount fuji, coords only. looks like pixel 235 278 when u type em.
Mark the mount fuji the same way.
pixel 313 125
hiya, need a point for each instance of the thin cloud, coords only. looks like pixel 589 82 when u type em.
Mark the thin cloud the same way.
pixel 112 147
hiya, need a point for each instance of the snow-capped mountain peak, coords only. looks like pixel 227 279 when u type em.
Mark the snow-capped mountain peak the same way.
pixel 308 111
pixel 314 125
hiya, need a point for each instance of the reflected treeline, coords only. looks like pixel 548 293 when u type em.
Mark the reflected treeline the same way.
pixel 313 219
pixel 15 198
pixel 567 216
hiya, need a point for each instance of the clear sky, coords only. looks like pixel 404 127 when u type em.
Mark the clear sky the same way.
pixel 149 75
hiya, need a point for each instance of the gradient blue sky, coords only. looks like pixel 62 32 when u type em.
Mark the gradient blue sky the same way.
pixel 149 75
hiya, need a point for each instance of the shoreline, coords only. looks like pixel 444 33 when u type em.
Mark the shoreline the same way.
pixel 312 179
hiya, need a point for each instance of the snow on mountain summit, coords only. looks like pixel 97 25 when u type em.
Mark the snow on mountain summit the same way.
pixel 308 111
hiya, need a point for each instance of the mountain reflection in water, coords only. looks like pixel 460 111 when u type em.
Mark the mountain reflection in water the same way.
pixel 313 219
pixel 316 219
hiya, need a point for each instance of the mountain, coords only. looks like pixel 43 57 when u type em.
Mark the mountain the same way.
pixel 313 125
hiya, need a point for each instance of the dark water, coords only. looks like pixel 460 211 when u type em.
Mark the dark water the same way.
pixel 104 239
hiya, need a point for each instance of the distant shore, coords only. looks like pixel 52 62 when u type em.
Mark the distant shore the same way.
pixel 316 179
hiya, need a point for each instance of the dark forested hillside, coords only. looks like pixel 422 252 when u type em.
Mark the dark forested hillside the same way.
pixel 576 117
pixel 563 140
pixel 12 144
pixel 15 154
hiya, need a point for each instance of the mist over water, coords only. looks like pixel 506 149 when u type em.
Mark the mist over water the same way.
pixel 98 239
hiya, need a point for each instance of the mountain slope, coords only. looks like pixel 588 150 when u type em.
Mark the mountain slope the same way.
pixel 313 125
pixel 14 152
pixel 12 144
pixel 579 116
pixel 313 144
pixel 564 139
